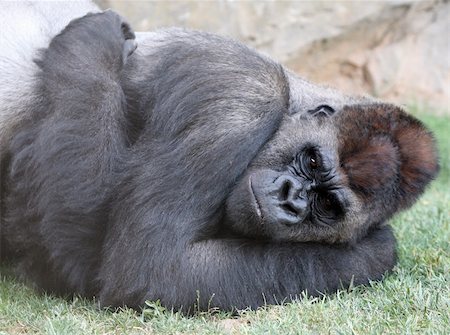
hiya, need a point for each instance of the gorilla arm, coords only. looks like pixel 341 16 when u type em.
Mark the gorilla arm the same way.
pixel 233 273
pixel 253 274
pixel 218 98
pixel 63 160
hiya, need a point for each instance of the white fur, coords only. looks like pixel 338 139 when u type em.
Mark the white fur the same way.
pixel 25 27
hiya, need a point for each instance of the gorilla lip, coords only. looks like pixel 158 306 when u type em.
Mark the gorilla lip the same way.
pixel 255 199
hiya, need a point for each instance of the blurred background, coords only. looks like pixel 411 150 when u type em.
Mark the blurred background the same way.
pixel 396 50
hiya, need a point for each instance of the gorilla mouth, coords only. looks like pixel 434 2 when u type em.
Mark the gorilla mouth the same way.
pixel 254 199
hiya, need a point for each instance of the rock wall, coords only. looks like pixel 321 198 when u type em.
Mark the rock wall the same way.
pixel 399 54
pixel 396 50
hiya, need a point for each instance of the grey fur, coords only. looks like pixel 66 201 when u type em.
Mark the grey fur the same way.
pixel 117 177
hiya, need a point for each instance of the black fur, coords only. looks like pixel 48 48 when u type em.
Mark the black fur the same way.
pixel 127 204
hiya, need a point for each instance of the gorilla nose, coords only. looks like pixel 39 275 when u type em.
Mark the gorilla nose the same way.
pixel 293 201
pixel 289 188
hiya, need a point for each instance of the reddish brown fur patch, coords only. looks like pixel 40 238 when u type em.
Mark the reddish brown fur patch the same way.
pixel 372 164
pixel 383 148
pixel 419 161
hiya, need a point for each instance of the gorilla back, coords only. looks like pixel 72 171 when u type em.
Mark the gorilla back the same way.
pixel 122 183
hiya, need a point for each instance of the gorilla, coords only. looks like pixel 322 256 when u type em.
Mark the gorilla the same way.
pixel 198 172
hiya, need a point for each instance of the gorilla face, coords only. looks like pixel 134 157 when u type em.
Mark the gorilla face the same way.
pixel 295 190
pixel 330 178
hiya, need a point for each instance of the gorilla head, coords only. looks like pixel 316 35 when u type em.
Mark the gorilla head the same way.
pixel 331 178
pixel 165 175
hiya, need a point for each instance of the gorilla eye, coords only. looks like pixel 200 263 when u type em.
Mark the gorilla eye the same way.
pixel 328 202
pixel 309 161
pixel 313 160
pixel 330 205
pixel 313 163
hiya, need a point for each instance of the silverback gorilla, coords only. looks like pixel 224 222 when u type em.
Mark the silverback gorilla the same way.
pixel 198 172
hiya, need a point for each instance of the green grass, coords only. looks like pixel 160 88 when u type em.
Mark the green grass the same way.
pixel 415 299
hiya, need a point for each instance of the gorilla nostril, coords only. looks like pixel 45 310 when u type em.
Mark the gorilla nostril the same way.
pixel 284 190
pixel 289 189
pixel 288 208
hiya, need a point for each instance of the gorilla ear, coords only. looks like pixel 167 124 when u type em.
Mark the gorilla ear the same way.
pixel 322 111
pixel 382 148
